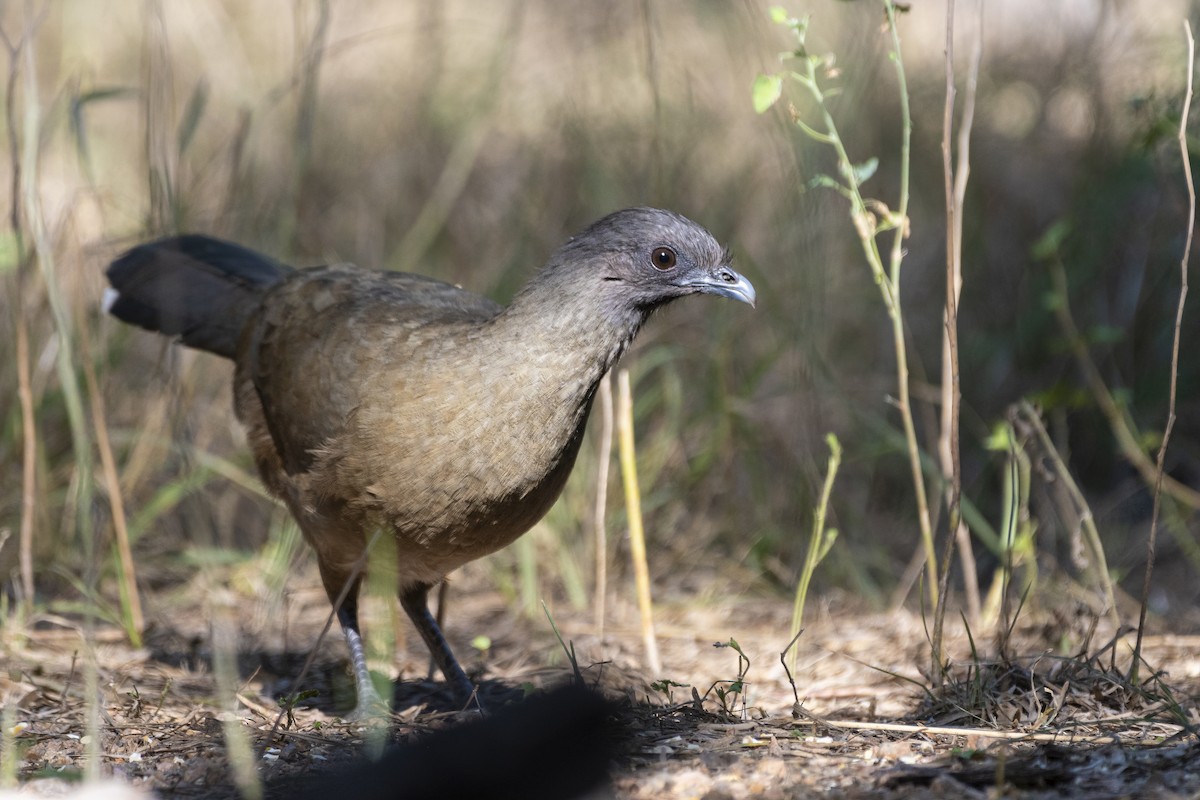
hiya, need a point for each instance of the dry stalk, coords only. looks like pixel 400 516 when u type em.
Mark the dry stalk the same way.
pixel 1151 540
pixel 29 432
pixel 949 452
pixel 307 73
pixel 465 153
pixel 598 518
pixel 131 600
pixel 1086 519
pixel 1122 428
pixel 633 507
pixel 948 439
pixel 1066 736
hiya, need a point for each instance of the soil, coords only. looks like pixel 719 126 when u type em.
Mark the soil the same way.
pixel 862 719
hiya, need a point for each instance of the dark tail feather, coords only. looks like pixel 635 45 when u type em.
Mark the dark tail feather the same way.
pixel 200 289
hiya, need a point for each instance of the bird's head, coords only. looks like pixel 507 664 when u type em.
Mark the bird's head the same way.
pixel 587 304
pixel 600 287
pixel 628 264
pixel 646 257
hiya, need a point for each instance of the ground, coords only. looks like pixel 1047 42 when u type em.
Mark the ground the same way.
pixel 862 722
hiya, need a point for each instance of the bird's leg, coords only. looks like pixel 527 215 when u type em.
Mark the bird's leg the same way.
pixel 413 601
pixel 370 704
pixel 443 590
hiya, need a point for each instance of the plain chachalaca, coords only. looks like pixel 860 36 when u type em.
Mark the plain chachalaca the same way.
pixel 388 400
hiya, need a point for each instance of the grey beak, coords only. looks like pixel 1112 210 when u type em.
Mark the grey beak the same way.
pixel 725 282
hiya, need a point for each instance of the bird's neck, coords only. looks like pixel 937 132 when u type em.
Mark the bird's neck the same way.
pixel 572 339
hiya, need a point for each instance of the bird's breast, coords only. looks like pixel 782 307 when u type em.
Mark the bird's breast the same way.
pixel 470 462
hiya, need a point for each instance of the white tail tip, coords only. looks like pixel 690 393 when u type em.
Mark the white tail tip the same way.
pixel 110 297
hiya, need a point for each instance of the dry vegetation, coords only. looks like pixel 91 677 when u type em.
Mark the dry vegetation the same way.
pixel 466 140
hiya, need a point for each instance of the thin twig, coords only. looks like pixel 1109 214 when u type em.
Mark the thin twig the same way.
pixel 1122 427
pixel 955 175
pixel 951 394
pixel 783 662
pixel 1086 519
pixel 983 733
pixel 443 596
pixel 1183 290
pixel 965 124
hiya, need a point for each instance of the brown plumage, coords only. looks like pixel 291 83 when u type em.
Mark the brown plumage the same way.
pixel 383 399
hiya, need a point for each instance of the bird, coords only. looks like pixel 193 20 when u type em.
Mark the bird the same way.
pixel 388 401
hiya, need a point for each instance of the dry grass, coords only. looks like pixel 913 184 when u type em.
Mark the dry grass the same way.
pixel 862 728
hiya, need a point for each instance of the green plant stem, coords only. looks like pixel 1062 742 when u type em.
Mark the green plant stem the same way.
pixel 819 543
pixel 888 280
pixel 897 258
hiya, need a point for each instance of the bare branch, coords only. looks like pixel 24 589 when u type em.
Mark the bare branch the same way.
pixel 1183 290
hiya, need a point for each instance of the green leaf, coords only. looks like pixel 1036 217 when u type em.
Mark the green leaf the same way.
pixel 1052 301
pixel 827 541
pixel 824 181
pixel 766 91
pixel 10 254
pixel 864 171
pixel 481 643
pixel 192 114
pixel 1106 334
pixel 78 123
pixel 1000 438
pixel 779 15
pixel 103 94
pixel 1062 395
pixel 1051 241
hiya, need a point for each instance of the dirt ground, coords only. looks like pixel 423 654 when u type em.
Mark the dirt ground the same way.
pixel 1034 725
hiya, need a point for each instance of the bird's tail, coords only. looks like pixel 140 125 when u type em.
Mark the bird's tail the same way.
pixel 200 289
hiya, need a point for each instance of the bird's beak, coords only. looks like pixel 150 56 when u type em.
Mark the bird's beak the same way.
pixel 725 282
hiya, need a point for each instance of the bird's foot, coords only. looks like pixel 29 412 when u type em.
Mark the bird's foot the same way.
pixel 371 709
pixel 472 702
pixel 466 693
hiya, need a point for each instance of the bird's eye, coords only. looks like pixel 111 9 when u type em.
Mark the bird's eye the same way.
pixel 663 258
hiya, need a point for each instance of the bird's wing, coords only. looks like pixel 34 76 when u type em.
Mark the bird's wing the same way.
pixel 323 335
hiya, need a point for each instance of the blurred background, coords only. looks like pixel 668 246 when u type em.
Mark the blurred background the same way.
pixel 467 140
